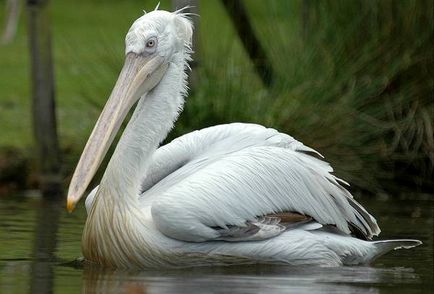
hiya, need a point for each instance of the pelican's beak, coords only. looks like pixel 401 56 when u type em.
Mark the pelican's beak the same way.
pixel 138 76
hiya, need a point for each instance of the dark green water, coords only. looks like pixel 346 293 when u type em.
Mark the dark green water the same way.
pixel 39 242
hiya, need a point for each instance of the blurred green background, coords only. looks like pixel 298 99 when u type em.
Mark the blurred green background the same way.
pixel 354 80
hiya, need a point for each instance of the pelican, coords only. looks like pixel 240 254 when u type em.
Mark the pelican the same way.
pixel 224 195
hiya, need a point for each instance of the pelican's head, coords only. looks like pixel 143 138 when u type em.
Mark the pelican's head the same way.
pixel 154 41
pixel 160 33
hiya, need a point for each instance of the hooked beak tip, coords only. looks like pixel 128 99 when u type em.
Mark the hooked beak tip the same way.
pixel 70 205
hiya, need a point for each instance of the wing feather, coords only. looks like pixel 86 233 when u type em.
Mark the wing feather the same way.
pixel 210 144
pixel 226 176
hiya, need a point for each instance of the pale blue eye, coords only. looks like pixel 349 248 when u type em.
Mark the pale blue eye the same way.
pixel 150 44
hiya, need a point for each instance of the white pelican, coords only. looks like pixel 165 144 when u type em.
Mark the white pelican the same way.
pixel 229 194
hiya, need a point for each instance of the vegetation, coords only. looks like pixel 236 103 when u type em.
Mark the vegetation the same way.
pixel 354 80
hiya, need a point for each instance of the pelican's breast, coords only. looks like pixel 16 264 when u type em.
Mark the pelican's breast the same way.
pixel 120 236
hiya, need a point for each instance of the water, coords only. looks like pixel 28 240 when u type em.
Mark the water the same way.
pixel 40 241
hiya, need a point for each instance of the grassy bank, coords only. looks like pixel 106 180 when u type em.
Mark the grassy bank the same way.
pixel 354 80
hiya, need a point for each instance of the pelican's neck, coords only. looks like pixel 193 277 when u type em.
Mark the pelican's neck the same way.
pixel 152 120
pixel 111 227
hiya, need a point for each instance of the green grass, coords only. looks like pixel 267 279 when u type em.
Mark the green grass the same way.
pixel 358 87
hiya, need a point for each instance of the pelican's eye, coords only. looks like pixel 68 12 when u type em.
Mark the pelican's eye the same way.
pixel 150 43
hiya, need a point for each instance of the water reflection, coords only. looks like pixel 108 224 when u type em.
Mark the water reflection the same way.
pixel 44 248
pixel 257 279
pixel 39 240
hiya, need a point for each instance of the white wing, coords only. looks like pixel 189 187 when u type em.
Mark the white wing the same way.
pixel 211 144
pixel 206 183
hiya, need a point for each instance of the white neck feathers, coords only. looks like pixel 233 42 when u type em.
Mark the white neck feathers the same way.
pixel 151 121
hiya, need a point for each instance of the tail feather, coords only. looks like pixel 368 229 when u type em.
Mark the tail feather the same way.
pixel 385 246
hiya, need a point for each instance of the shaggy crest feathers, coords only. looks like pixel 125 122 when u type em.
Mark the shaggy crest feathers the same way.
pixel 174 32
